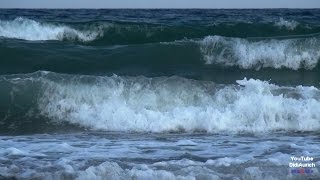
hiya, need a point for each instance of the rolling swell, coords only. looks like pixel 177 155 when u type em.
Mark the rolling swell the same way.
pixel 294 58
pixel 162 104
pixel 124 33
pixel 301 52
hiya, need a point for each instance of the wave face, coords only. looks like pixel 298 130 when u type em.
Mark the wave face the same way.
pixel 28 29
pixel 289 53
pixel 162 104
pixel 159 42
pixel 209 57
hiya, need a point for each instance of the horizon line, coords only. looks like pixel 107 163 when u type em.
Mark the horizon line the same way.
pixel 257 8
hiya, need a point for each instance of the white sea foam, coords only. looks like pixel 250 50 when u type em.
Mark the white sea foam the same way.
pixel 186 143
pixel 227 161
pixel 177 104
pixel 15 152
pixel 247 54
pixel 12 151
pixel 28 29
pixel 288 24
pixel 182 162
pixel 212 157
pixel 114 171
pixel 252 173
pixel 144 172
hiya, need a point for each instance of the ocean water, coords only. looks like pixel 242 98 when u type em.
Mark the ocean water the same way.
pixel 159 94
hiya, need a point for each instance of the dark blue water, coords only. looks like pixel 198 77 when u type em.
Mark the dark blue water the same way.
pixel 197 44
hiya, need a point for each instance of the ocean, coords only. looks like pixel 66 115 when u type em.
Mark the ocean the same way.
pixel 159 94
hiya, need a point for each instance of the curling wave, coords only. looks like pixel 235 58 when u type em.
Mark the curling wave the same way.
pixel 28 29
pixel 165 104
pixel 294 53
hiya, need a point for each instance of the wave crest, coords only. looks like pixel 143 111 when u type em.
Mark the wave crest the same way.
pixel 28 29
pixel 163 104
pixel 176 104
pixel 288 24
pixel 274 53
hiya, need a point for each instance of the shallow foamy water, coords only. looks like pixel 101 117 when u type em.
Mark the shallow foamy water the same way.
pixel 155 156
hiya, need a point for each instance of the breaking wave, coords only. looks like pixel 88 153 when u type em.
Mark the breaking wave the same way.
pixel 167 104
pixel 288 24
pixel 104 32
pixel 28 29
pixel 294 53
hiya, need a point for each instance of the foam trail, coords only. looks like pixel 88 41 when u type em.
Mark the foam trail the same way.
pixel 28 29
pixel 174 104
pixel 274 53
